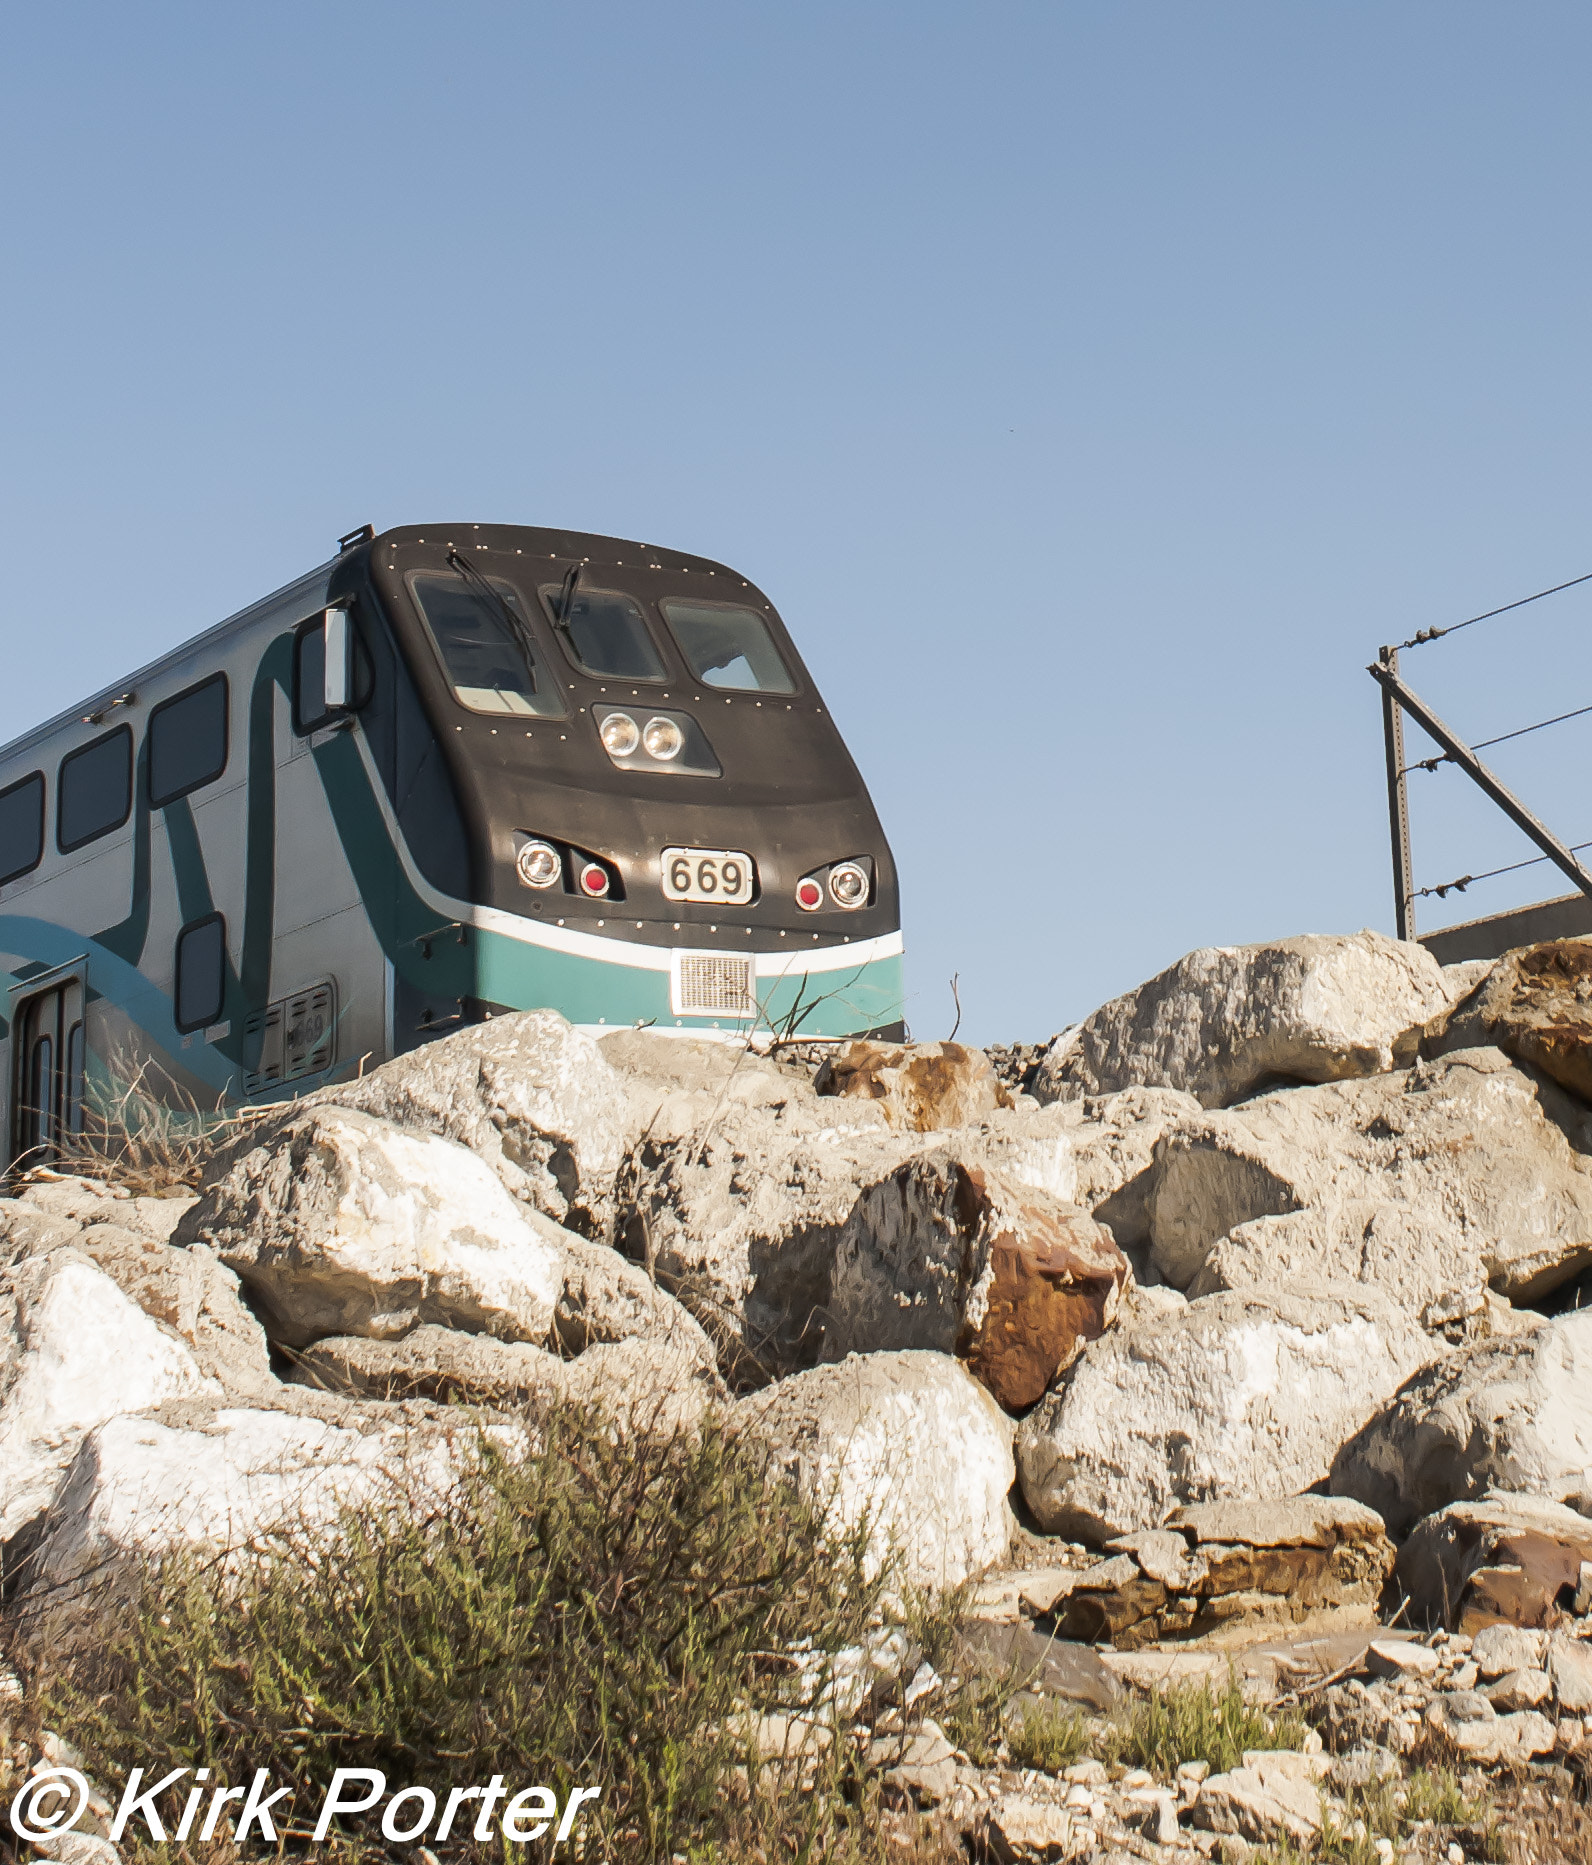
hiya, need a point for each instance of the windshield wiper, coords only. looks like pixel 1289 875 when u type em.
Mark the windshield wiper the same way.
pixel 566 596
pixel 517 627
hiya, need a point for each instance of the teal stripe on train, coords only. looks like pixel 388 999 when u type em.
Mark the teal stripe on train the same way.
pixel 423 947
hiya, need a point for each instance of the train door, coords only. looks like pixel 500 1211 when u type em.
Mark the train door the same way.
pixel 47 1060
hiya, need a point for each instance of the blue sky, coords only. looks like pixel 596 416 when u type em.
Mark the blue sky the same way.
pixel 1094 387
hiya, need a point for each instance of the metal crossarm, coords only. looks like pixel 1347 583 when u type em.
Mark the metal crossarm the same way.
pixel 1397 699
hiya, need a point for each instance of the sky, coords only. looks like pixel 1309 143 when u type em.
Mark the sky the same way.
pixel 1093 387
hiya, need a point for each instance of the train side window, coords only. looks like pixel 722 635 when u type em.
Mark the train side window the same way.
pixel 605 633
pixel 201 986
pixel 188 741
pixel 310 711
pixel 94 791
pixel 489 656
pixel 21 826
pixel 728 648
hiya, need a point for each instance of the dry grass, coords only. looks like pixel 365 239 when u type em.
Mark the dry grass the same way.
pixel 144 1132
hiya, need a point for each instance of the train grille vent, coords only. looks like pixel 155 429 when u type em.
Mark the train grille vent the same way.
pixel 297 1037
pixel 708 984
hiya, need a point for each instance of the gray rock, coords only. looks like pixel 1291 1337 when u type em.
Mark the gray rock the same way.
pixel 1264 1802
pixel 1446 1176
pixel 534 1098
pixel 339 1223
pixel 606 1298
pixel 919 1762
pixel 1521 1690
pixel 81 1201
pixel 1226 1018
pixel 1515 1738
pixel 1570 1668
pixel 1111 1148
pixel 434 1363
pixel 1499 1649
pixel 1513 1414
pixel 1245 1394
pixel 908 1443
pixel 1021 1830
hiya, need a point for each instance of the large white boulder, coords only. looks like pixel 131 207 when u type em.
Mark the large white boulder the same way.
pixel 534 1097
pixel 1451 1175
pixel 225 1477
pixel 339 1223
pixel 1247 1394
pixel 74 1351
pixel 1226 1018
pixel 907 1443
pixel 1510 1414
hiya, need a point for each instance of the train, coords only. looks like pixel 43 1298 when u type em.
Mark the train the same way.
pixel 455 771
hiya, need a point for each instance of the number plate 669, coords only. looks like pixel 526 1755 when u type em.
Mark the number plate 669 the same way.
pixel 723 875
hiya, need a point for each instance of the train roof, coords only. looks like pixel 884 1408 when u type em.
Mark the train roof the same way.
pixel 533 540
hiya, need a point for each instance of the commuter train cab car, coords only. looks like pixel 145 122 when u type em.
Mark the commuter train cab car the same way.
pixel 458 770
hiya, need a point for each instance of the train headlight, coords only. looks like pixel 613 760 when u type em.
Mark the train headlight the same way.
pixel 662 737
pixel 848 885
pixel 594 879
pixel 539 864
pixel 620 734
pixel 809 895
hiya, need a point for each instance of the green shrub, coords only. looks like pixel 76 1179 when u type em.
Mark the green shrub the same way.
pixel 973 1712
pixel 1193 1722
pixel 1047 1735
pixel 609 1612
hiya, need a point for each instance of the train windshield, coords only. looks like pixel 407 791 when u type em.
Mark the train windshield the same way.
pixel 606 633
pixel 485 646
pixel 729 648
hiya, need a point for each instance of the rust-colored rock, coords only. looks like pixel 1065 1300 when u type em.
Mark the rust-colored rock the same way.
pixel 921 1087
pixel 1536 1005
pixel 1054 1278
pixel 1508 1559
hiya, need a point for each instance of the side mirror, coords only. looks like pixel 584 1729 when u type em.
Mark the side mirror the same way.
pixel 337 637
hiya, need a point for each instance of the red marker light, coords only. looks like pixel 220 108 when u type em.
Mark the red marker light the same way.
pixel 594 879
pixel 809 895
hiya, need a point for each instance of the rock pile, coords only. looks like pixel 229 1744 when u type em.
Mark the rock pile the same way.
pixel 1240 1303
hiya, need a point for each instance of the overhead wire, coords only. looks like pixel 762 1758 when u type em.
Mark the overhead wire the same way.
pixel 1464 881
pixel 1481 744
pixel 1422 636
